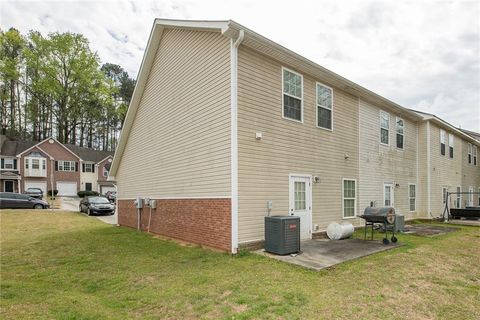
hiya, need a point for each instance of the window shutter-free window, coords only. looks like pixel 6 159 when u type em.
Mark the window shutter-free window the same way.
pixel 400 130
pixel 469 158
pixel 384 127
pixel 474 155
pixel 324 106
pixel 349 198
pixel 412 195
pixel 451 140
pixel 292 95
pixel 442 142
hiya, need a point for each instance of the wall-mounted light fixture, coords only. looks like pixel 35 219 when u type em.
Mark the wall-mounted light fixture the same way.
pixel 258 136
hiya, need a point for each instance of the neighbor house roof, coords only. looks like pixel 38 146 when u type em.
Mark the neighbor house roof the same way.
pixel 232 29
pixel 11 148
pixel 474 134
pixel 88 154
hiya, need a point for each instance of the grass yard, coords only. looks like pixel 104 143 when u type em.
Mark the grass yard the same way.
pixel 59 265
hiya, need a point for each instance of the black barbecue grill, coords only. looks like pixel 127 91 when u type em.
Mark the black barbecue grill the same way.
pixel 382 215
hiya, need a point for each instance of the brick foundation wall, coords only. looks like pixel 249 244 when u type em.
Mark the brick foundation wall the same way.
pixel 205 222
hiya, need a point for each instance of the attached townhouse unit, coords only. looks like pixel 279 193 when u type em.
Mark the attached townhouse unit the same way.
pixel 233 127
pixel 51 165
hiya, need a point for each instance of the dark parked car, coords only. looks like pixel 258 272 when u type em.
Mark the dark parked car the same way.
pixel 111 195
pixel 34 193
pixel 11 200
pixel 96 204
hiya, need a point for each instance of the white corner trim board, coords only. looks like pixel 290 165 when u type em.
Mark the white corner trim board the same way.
pixel 234 135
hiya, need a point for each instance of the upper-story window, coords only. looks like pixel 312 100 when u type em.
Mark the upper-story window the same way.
pixel 35 167
pixel 451 141
pixel 105 172
pixel 442 142
pixel 324 106
pixel 469 158
pixel 88 167
pixel 9 164
pixel 400 130
pixel 66 165
pixel 292 95
pixel 384 127
pixel 474 155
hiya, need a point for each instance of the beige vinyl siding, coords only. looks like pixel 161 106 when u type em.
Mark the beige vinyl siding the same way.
pixel 471 174
pixel 381 164
pixel 422 188
pixel 289 147
pixel 179 144
pixel 444 170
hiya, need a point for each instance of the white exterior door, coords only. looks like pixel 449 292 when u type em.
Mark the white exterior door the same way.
pixel 37 184
pixel 470 196
pixel 388 198
pixel 300 203
pixel 67 188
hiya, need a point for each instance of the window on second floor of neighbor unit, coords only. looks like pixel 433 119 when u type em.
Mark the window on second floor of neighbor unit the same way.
pixel 469 157
pixel 384 127
pixel 451 141
pixel 442 142
pixel 66 166
pixel 474 155
pixel 9 164
pixel 292 95
pixel 324 106
pixel 105 172
pixel 88 167
pixel 400 130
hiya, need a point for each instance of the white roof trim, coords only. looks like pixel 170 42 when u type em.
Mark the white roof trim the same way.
pixel 102 160
pixel 37 146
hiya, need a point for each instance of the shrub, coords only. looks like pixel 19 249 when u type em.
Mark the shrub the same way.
pixel 85 193
pixel 49 192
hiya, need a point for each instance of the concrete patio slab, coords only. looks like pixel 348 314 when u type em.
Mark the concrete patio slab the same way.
pixel 321 253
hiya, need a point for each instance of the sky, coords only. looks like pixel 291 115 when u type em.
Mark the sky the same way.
pixel 423 55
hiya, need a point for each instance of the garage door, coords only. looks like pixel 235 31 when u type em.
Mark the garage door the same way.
pixel 105 189
pixel 37 184
pixel 67 188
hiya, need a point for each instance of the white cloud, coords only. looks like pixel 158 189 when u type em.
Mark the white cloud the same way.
pixel 422 54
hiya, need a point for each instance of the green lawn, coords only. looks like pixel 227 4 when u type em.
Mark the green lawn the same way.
pixel 69 266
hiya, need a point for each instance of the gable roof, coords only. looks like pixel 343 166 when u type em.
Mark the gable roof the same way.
pixel 88 154
pixel 11 148
pixel 473 134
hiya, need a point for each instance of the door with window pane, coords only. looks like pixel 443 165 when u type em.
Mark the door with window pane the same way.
pixel 300 204
pixel 388 195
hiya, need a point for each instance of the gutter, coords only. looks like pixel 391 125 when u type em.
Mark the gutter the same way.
pixel 234 136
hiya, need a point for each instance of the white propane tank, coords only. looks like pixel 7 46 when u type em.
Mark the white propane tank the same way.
pixel 337 231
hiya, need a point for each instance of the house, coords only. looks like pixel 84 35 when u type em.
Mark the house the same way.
pixel 49 164
pixel 233 127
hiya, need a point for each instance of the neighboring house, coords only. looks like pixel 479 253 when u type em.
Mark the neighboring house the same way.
pixel 49 165
pixel 229 127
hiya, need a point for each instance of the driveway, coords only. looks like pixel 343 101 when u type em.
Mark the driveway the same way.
pixel 68 203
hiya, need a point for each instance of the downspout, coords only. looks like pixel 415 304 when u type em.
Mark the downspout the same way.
pixel 234 136
pixel 428 170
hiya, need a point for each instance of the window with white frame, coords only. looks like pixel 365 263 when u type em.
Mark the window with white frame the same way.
pixel 412 196
pixel 451 141
pixel 474 155
pixel 458 201
pixel 292 95
pixel 388 195
pixel 442 142
pixel 384 127
pixel 470 196
pixel 400 129
pixel 88 167
pixel 8 163
pixel 324 106
pixel 66 165
pixel 105 172
pixel 469 158
pixel 349 198
pixel 36 164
